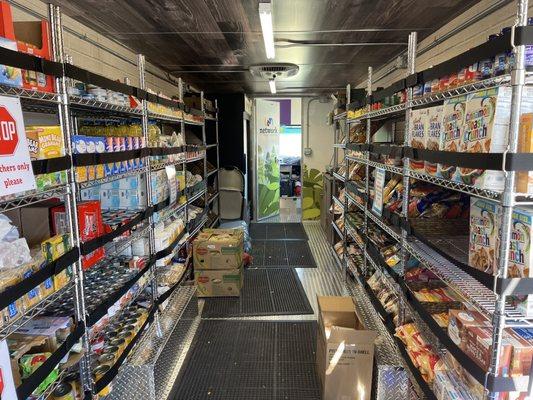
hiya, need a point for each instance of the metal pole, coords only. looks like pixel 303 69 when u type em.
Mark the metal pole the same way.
pixel 204 140
pixel 148 181
pixel 65 122
pixel 517 83
pixel 367 167
pixel 411 58
pixel 218 162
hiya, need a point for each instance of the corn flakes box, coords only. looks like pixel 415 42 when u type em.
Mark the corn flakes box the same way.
pixel 433 137
pixel 453 117
pixel 418 128
pixel 484 235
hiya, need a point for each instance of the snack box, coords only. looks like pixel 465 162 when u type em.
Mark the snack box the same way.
pixel 218 249
pixel 46 142
pixel 460 320
pixel 453 117
pixel 478 346
pixel 484 235
pixel 219 282
pixel 79 144
pixel 55 247
pixel 433 137
pixel 90 227
pixel 418 128
pixel 520 255
pixel 10 76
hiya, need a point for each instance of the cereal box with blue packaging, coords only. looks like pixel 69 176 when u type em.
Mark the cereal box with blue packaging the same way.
pixel 9 75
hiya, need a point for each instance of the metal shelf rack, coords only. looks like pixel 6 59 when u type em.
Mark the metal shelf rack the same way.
pixel 71 110
pixel 493 302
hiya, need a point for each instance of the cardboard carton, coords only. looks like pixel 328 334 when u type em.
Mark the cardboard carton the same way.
pixel 345 351
pixel 460 320
pixel 218 249
pixel 219 282
pixel 484 234
pixel 453 117
pixel 433 137
pixel 524 179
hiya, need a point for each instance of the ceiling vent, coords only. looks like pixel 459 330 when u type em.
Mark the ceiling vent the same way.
pixel 274 70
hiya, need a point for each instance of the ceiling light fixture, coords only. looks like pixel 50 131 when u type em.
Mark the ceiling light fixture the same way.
pixel 265 15
pixel 272 84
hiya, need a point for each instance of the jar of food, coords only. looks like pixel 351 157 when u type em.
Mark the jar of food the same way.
pixel 63 391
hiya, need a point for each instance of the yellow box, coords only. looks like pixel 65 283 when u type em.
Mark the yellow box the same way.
pixel 49 141
pixel 55 247
pixel 81 174
pixel 99 171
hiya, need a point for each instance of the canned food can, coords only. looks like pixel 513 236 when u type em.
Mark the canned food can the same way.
pixel 107 359
pixel 99 372
pixel 74 380
pixel 118 342
pixel 63 391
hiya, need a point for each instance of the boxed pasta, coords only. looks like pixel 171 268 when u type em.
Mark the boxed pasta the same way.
pixel 418 128
pixel 433 137
pixel 484 235
pixel 453 117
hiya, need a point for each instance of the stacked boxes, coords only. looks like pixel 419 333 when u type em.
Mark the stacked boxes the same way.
pixel 218 267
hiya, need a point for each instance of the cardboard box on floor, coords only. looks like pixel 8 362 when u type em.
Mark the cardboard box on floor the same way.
pixel 218 282
pixel 218 249
pixel 345 351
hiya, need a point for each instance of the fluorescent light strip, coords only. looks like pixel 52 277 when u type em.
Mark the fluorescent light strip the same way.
pixel 265 15
pixel 272 84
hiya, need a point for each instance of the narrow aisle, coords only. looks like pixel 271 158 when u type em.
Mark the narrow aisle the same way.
pixel 261 356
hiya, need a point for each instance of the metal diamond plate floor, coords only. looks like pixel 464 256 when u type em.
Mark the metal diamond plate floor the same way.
pixel 251 360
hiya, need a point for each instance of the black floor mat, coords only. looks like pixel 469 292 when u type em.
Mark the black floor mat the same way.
pixel 250 360
pixel 282 253
pixel 278 231
pixel 265 292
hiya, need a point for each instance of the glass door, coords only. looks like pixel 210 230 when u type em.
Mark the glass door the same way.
pixel 267 123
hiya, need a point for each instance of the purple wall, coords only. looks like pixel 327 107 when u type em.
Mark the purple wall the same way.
pixel 284 111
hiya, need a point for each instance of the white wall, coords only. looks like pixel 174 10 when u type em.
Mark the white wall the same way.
pixel 318 135
pixel 469 37
pixel 88 55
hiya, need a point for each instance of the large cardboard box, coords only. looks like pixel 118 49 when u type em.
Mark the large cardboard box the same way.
pixel 219 282
pixel 218 249
pixel 345 351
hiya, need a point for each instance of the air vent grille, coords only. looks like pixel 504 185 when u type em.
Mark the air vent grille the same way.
pixel 279 70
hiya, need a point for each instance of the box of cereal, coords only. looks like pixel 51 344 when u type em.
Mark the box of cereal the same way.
pixel 453 116
pixel 418 128
pixel 484 235
pixel 433 138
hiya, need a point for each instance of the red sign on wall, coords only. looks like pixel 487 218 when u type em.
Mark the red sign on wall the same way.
pixel 9 137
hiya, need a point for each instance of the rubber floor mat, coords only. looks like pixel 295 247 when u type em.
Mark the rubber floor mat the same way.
pixel 250 360
pixel 265 292
pixel 278 231
pixel 282 253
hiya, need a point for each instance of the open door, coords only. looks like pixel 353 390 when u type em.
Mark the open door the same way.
pixel 267 125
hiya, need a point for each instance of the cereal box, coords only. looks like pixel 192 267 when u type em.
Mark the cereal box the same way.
pixel 418 128
pixel 453 116
pixel 520 244
pixel 484 235
pixel 524 179
pixel 487 130
pixel 433 137
pixel 49 141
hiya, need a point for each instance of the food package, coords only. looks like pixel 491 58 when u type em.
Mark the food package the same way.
pixel 460 321
pixel 29 363
pixel 418 130
pixel 10 76
pixel 90 227
pixel 524 179
pixel 55 247
pixel 46 140
pixel 484 235
pixel 433 137
pixel 520 255
pixel 453 117
pixel 487 129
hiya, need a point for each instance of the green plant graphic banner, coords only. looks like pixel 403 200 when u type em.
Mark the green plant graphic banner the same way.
pixel 313 186
pixel 268 128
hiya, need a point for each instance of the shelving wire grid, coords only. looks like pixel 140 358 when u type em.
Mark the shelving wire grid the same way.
pixel 493 305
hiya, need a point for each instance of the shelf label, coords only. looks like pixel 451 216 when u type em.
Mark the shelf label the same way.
pixel 16 173
pixel 379 183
